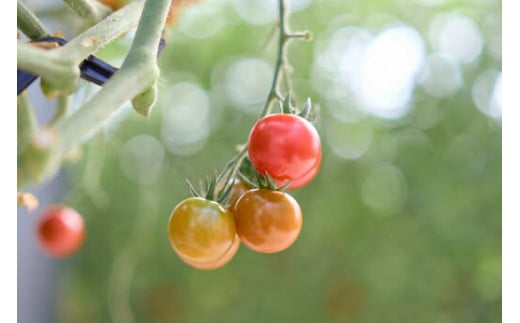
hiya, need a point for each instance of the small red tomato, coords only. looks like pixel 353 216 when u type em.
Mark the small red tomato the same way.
pixel 60 231
pixel 304 180
pixel 267 221
pixel 285 146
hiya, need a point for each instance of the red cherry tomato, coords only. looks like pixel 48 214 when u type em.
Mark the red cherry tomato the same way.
pixel 60 231
pixel 285 146
pixel 201 231
pixel 267 221
pixel 304 180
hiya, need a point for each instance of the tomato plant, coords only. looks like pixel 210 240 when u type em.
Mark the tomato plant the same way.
pixel 285 146
pixel 201 231
pixel 60 231
pixel 267 221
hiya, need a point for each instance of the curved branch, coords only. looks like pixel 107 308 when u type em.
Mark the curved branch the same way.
pixel 28 23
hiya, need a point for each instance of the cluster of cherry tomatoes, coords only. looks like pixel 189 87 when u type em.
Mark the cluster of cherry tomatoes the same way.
pixel 206 234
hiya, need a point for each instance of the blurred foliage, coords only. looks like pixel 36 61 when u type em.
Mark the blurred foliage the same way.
pixel 402 224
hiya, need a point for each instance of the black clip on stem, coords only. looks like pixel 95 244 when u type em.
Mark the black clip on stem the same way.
pixel 92 69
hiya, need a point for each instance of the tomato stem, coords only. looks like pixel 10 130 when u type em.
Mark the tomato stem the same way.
pixel 138 74
pixel 26 122
pixel 282 66
pixel 63 106
pixel 93 11
pixel 60 67
pixel 28 23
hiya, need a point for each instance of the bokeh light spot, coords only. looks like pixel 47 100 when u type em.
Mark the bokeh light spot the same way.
pixel 487 93
pixel 384 189
pixel 388 72
pixel 141 158
pixel 441 76
pixel 247 84
pixel 261 12
pixel 185 113
pixel 348 140
pixel 203 20
pixel 456 35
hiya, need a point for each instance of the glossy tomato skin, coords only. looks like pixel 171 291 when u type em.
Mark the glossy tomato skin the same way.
pixel 217 263
pixel 239 188
pixel 267 221
pixel 200 230
pixel 60 231
pixel 304 180
pixel 285 146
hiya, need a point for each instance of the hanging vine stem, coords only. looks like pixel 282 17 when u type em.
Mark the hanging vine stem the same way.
pixel 29 23
pixel 281 68
pixel 282 62
pixel 136 79
pixel 88 9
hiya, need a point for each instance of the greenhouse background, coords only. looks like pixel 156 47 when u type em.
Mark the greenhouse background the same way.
pixel 402 223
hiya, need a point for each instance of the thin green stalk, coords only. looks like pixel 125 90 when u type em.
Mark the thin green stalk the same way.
pixel 28 23
pixel 87 9
pixel 108 101
pixel 138 72
pixel 60 71
pixel 26 122
pixel 104 32
pixel 283 40
pixel 63 106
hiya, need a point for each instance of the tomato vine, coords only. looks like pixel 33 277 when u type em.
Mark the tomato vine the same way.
pixel 283 151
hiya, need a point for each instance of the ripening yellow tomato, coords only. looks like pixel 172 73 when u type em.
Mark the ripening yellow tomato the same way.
pixel 201 231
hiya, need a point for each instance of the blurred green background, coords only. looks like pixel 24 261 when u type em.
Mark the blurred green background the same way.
pixel 403 222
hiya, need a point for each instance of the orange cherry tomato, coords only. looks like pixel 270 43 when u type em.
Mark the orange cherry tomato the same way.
pixel 267 221
pixel 219 262
pixel 200 230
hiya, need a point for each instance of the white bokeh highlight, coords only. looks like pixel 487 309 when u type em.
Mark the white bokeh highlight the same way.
pixel 487 93
pixel 247 82
pixel 373 74
pixel 388 72
pixel 456 35
pixel 185 118
pixel 141 158
pixel 441 76
pixel 384 189
pixel 261 12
